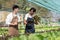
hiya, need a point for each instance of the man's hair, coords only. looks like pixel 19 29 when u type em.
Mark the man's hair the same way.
pixel 34 10
pixel 15 6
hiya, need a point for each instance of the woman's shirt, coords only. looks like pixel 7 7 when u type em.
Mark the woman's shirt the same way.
pixel 28 16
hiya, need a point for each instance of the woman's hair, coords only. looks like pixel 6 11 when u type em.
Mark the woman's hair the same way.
pixel 34 10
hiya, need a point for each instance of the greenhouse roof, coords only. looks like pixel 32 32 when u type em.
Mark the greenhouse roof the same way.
pixel 53 5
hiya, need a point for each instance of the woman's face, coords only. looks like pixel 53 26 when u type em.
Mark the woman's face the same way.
pixel 31 12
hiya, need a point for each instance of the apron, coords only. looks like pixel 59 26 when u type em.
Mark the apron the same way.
pixel 30 26
pixel 13 30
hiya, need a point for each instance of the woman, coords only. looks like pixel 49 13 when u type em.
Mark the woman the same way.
pixel 29 21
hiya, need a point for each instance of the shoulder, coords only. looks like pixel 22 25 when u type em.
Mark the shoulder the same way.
pixel 27 14
pixel 10 14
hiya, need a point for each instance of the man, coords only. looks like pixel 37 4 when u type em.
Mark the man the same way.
pixel 13 27
pixel 29 21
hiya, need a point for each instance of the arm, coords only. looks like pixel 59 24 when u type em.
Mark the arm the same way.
pixel 25 19
pixel 25 22
pixel 8 20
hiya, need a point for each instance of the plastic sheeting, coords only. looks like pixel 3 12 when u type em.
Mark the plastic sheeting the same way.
pixel 53 5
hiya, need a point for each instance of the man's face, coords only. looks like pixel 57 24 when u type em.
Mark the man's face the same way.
pixel 31 12
pixel 16 10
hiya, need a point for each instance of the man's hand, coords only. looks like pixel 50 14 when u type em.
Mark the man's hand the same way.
pixel 13 24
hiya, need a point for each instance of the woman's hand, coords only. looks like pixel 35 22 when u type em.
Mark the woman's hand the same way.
pixel 25 22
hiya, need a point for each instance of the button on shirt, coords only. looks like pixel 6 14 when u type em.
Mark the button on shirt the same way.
pixel 10 17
